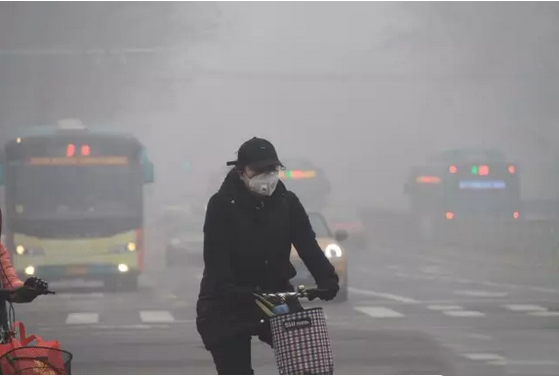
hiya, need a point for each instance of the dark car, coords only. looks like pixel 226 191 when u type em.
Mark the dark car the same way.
pixel 183 233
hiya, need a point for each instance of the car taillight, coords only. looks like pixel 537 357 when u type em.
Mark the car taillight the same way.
pixel 483 170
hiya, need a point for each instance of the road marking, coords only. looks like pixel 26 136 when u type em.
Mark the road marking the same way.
pixel 82 318
pixel 525 308
pixel 69 295
pixel 481 283
pixel 401 299
pixel 135 326
pixel 484 357
pixel 482 294
pixel 482 337
pixel 445 308
pixel 525 363
pixel 464 313
pixel 431 269
pixel 379 312
pixel 544 313
pixel 156 316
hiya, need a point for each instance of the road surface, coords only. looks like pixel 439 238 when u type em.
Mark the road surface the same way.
pixel 412 310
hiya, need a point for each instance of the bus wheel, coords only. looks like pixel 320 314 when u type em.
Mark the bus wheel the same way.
pixel 121 283
pixel 111 284
pixel 128 282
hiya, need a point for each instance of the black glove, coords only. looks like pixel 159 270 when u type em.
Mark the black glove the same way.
pixel 36 284
pixel 327 290
pixel 25 294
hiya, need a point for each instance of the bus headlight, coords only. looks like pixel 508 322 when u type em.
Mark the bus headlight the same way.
pixel 29 251
pixel 333 251
pixel 20 250
pixel 30 270
pixel 131 246
pixel 123 268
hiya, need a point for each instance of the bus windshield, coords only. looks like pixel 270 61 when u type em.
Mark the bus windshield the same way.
pixel 63 192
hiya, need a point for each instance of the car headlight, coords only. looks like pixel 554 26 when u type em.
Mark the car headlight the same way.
pixel 29 251
pixel 30 270
pixel 333 251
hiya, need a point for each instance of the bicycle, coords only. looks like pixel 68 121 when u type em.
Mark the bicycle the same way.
pixel 299 336
pixel 22 358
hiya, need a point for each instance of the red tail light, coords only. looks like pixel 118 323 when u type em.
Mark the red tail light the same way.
pixel 86 151
pixel 70 150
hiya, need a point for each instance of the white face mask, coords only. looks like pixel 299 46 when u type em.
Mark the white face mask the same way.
pixel 263 184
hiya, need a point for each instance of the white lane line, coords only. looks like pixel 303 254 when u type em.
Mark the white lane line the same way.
pixel 82 318
pixel 464 313
pixel 524 363
pixel 156 316
pixel 379 312
pixel 484 357
pixel 431 269
pixel 481 283
pixel 482 337
pixel 445 308
pixel 481 294
pixel 544 313
pixel 401 299
pixel 69 295
pixel 525 308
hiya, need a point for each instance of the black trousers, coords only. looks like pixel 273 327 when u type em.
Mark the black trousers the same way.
pixel 232 356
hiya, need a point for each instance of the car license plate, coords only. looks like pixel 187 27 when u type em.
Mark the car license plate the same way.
pixel 76 270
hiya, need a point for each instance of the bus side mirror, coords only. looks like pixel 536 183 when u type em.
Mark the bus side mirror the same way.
pixel 149 173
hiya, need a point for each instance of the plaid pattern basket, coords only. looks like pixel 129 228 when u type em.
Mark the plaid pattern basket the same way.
pixel 301 343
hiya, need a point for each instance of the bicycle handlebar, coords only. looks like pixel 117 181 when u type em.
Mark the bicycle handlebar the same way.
pixel 301 292
pixel 6 293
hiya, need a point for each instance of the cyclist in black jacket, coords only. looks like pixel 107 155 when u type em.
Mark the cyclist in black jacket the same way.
pixel 251 224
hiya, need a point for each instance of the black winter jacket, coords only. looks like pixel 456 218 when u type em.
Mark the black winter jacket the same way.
pixel 247 245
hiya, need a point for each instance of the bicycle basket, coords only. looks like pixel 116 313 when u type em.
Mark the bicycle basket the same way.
pixel 301 343
pixel 36 360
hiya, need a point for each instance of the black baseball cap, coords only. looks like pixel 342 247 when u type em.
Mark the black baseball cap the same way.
pixel 256 153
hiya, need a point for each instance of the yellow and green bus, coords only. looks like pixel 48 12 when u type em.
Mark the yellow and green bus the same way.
pixel 74 204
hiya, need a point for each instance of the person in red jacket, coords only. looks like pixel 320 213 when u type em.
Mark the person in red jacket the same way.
pixel 25 291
